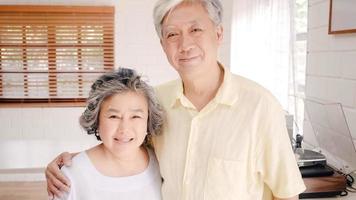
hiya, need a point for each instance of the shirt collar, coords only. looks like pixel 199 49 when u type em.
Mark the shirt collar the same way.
pixel 225 95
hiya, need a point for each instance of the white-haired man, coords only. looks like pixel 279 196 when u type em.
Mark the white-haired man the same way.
pixel 225 136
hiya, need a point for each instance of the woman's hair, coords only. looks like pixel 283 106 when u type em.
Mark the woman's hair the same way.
pixel 163 7
pixel 117 82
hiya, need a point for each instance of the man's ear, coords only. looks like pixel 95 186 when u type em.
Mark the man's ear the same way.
pixel 220 33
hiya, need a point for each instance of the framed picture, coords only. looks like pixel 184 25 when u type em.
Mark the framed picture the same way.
pixel 342 16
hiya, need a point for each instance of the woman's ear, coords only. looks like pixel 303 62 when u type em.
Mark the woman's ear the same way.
pixel 219 33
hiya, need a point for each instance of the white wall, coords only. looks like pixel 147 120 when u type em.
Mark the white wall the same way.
pixel 331 68
pixel 38 134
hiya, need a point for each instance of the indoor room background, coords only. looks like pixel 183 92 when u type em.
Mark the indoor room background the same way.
pixel 30 137
pixel 33 136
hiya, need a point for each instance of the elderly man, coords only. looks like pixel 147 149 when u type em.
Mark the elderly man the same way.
pixel 225 136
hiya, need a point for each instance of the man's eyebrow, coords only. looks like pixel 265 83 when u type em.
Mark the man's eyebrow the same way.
pixel 193 22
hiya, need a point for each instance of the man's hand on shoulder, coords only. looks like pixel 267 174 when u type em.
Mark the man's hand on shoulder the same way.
pixel 56 181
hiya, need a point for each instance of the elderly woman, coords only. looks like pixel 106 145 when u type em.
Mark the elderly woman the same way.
pixel 123 113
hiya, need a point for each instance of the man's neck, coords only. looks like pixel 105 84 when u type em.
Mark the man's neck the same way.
pixel 201 90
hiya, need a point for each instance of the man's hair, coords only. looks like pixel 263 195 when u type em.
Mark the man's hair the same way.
pixel 163 7
pixel 118 82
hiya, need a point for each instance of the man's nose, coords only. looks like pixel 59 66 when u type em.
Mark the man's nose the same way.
pixel 186 43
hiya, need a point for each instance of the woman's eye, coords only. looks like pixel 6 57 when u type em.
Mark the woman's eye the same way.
pixel 136 116
pixel 113 117
pixel 196 30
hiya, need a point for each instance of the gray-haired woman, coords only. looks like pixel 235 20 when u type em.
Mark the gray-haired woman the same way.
pixel 123 113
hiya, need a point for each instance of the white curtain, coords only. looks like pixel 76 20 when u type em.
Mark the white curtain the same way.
pixel 261 44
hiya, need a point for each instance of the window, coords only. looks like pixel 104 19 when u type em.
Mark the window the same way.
pixel 297 76
pixel 269 46
pixel 53 53
pixel 261 44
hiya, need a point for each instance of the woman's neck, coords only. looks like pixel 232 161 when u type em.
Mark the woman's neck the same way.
pixel 118 165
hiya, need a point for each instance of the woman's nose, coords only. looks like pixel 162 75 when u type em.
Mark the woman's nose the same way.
pixel 123 126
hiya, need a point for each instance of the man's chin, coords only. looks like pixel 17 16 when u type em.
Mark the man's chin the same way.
pixel 188 65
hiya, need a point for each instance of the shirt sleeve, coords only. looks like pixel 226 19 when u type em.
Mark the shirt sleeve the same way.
pixel 65 196
pixel 275 161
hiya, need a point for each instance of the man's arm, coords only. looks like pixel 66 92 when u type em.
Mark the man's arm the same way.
pixel 56 181
pixel 292 198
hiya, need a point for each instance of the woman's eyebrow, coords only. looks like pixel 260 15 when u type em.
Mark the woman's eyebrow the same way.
pixel 118 111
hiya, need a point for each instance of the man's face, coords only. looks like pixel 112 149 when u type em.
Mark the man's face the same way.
pixel 190 39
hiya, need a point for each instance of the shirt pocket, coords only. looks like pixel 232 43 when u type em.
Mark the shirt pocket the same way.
pixel 225 179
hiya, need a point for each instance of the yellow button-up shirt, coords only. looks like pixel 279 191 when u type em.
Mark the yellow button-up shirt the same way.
pixel 236 147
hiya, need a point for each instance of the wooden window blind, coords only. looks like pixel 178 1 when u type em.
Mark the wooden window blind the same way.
pixel 53 53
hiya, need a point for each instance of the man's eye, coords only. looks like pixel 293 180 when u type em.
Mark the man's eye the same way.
pixel 136 116
pixel 169 35
pixel 113 117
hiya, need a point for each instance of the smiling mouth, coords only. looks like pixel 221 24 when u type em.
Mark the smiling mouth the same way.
pixel 188 59
pixel 123 140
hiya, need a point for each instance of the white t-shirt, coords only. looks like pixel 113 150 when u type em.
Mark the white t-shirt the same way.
pixel 87 183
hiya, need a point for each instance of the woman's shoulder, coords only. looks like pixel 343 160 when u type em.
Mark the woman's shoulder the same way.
pixel 151 154
pixel 80 162
pixel 153 167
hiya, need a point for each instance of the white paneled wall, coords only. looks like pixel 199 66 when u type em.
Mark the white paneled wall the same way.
pixel 331 68
pixel 39 134
pixel 137 44
pixel 31 137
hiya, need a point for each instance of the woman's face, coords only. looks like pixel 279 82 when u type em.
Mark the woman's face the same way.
pixel 123 122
